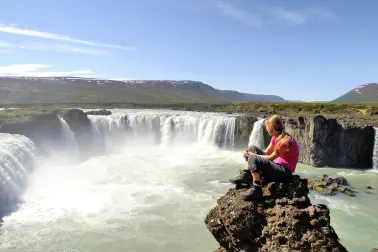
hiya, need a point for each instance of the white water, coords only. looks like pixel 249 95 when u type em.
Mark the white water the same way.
pixel 164 128
pixel 375 150
pixel 16 162
pixel 257 135
pixel 69 145
pixel 151 191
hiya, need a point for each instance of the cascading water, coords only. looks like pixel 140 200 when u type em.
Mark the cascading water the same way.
pixel 257 135
pixel 375 150
pixel 164 129
pixel 69 144
pixel 16 161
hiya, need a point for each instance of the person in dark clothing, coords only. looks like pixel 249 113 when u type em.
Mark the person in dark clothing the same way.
pixel 275 164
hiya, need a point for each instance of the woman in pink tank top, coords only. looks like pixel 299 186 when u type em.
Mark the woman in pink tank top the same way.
pixel 276 163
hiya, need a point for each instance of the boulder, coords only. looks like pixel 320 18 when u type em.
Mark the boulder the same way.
pixel 330 185
pixel 284 221
pixel 332 179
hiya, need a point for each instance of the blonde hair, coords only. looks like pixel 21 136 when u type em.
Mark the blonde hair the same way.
pixel 275 122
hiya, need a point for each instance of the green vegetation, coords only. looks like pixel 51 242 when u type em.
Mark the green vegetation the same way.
pixel 289 109
pixel 15 115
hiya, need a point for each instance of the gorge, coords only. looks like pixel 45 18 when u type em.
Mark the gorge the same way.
pixel 70 167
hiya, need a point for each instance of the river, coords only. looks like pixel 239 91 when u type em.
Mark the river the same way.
pixel 141 195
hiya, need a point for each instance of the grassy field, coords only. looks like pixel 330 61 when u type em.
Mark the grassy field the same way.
pixel 289 109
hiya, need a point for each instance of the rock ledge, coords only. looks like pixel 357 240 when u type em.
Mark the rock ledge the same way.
pixel 284 221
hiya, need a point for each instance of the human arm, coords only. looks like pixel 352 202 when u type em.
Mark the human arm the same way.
pixel 272 156
pixel 270 148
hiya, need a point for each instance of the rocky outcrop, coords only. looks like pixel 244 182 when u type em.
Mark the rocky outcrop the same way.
pixel 330 185
pixel 82 128
pixel 328 142
pixel 284 221
pixel 44 130
pixel 374 250
pixel 244 126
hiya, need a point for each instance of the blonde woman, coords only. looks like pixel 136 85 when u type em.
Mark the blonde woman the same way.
pixel 276 163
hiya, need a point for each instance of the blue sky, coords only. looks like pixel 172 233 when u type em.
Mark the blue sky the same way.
pixel 307 50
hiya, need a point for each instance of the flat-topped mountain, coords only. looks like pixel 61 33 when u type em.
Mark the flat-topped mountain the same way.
pixel 89 90
pixel 365 93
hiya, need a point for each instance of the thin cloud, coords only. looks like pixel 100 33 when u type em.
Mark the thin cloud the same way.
pixel 237 13
pixel 5 52
pixel 53 36
pixel 300 17
pixel 290 16
pixel 52 48
pixel 182 4
pixel 35 70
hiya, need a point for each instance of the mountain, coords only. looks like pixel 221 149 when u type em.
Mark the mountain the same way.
pixel 367 93
pixel 88 90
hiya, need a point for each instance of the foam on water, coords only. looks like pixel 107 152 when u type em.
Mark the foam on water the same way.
pixel 135 191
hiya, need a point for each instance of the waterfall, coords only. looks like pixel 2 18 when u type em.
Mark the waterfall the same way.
pixel 16 161
pixel 375 150
pixel 69 145
pixel 257 135
pixel 164 128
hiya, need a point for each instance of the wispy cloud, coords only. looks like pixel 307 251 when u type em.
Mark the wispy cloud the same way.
pixel 35 70
pixel 51 47
pixel 300 17
pixel 237 13
pixel 182 4
pixel 53 36
pixel 5 52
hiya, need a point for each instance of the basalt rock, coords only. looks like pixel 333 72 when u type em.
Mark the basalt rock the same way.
pixel 82 129
pixel 330 142
pixel 45 130
pixel 284 221
pixel 330 185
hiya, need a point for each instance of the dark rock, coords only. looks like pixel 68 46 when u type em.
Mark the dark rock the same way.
pixel 369 187
pixel 330 142
pixel 44 130
pixel 285 221
pixel 82 128
pixel 330 185
pixel 331 179
pixel 99 112
pixel 244 126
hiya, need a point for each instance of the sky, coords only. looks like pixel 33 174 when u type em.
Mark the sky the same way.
pixel 297 49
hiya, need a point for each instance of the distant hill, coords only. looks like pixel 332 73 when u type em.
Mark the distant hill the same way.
pixel 367 93
pixel 87 90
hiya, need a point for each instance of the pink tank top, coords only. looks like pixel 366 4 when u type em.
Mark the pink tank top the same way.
pixel 290 158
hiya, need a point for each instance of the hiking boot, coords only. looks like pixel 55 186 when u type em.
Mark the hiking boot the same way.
pixel 244 178
pixel 253 193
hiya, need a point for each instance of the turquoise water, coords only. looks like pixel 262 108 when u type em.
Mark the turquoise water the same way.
pixel 354 219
